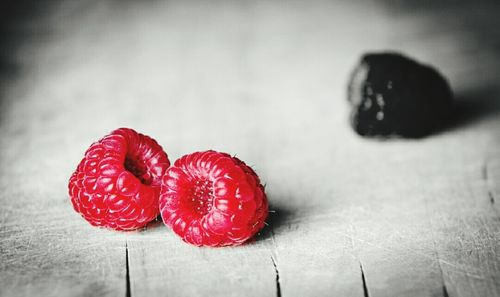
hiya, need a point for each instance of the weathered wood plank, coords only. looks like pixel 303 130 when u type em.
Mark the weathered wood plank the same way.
pixel 45 248
pixel 161 263
pixel 453 182
pixel 264 80
pixel 467 237
pixel 43 253
pixel 269 45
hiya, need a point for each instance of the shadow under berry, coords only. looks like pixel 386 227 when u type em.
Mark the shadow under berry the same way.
pixel 277 218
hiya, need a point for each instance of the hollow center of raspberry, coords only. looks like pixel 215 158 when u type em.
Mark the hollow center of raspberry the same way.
pixel 138 169
pixel 202 197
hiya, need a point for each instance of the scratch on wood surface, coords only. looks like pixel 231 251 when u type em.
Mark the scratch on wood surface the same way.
pixel 127 273
pixel 363 279
pixel 456 268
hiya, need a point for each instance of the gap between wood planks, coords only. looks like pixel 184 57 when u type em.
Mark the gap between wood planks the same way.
pixel 128 293
pixel 274 256
pixel 485 178
pixel 278 285
pixel 445 290
pixel 274 261
pixel 363 279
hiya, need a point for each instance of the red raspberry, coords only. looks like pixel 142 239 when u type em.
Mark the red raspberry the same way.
pixel 117 183
pixel 212 199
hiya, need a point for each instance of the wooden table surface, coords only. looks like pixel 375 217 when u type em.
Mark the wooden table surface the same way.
pixel 264 80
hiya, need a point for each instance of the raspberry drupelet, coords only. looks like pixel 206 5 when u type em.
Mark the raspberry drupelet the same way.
pixel 212 199
pixel 117 183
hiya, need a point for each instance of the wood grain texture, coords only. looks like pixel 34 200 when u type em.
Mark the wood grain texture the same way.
pixel 264 80
pixel 160 263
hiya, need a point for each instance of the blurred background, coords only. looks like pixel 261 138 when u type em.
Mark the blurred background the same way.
pixel 225 63
pixel 226 75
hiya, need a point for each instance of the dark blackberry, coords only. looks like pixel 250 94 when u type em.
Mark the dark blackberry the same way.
pixel 392 94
